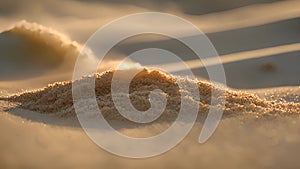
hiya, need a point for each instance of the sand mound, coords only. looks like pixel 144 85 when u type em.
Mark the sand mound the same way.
pixel 35 48
pixel 57 97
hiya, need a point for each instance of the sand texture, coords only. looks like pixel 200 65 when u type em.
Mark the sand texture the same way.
pixel 259 45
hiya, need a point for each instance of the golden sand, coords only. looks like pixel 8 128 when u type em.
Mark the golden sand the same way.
pixel 57 97
pixel 40 45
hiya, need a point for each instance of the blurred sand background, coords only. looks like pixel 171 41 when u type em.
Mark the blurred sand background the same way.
pixel 257 40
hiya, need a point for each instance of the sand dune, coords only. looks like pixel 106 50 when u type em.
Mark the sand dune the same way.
pixel 68 16
pixel 29 49
pixel 253 47
pixel 57 98
pixel 268 67
pixel 195 7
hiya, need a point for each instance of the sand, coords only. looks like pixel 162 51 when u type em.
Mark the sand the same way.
pixel 258 43
pixel 57 97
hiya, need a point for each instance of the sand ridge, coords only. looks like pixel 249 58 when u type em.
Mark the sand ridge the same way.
pixel 57 97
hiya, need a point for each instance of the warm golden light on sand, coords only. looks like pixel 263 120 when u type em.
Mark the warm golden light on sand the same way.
pixel 259 46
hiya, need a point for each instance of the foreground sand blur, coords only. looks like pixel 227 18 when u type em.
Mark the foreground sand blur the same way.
pixel 43 141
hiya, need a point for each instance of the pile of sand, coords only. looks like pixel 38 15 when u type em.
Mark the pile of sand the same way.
pixel 57 97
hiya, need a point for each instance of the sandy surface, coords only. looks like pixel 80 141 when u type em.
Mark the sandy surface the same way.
pixel 258 42
pixel 43 141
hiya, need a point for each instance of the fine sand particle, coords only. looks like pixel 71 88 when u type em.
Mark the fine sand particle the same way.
pixel 57 97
